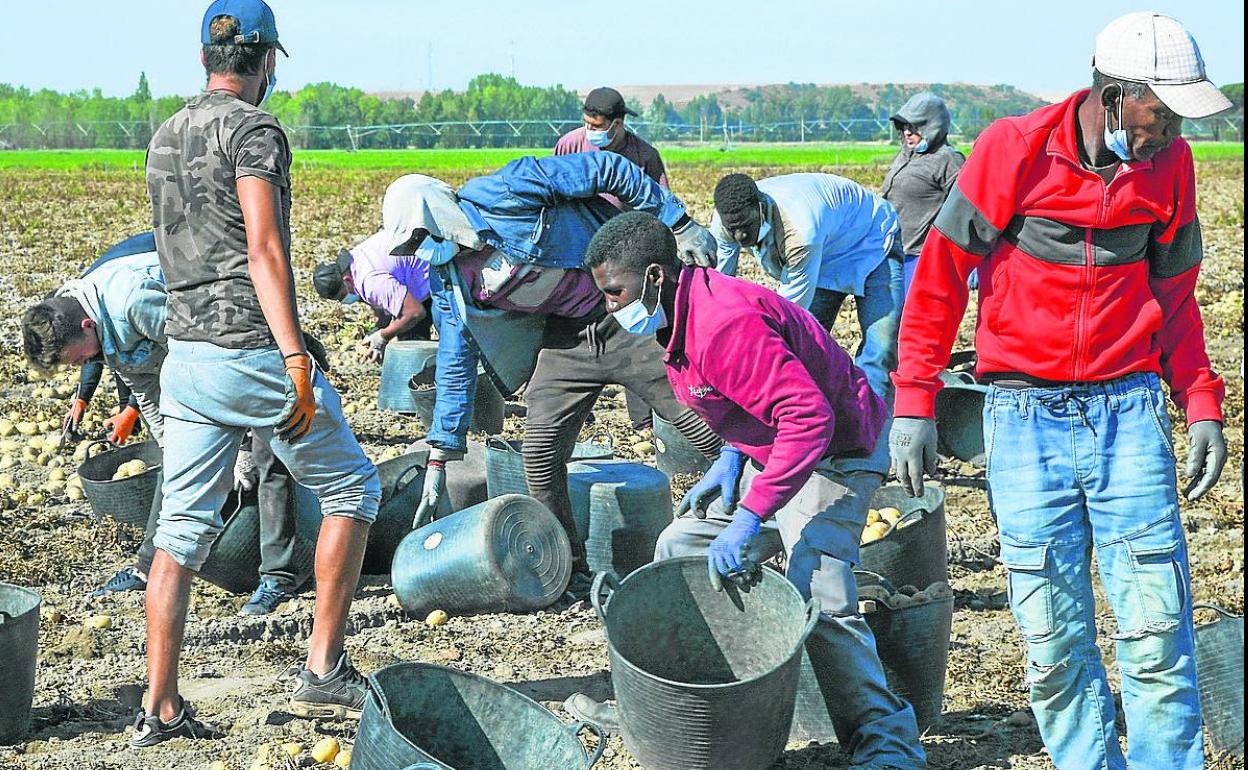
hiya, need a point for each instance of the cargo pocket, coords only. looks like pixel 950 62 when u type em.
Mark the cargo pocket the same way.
pixel 1029 587
pixel 1159 585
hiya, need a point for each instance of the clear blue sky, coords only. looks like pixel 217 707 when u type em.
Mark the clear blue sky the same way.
pixel 1043 47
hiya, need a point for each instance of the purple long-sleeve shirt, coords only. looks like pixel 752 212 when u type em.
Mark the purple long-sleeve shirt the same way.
pixel 633 147
pixel 768 379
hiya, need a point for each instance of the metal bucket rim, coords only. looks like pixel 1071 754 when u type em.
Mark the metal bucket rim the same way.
pixel 26 593
pixel 379 694
pixel 811 607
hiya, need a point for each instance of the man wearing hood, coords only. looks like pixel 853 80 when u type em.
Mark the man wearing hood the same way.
pixel 509 291
pixel 1081 217
pixel 923 172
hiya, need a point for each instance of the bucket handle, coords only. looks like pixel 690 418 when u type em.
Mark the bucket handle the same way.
pixel 500 443
pixel 422 766
pixel 603 437
pixel 96 444
pixel 598 732
pixel 884 582
pixel 1220 610
pixel 813 608
pixel 907 515
pixel 608 580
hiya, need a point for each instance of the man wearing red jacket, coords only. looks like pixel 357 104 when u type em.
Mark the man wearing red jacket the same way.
pixel 1081 218
pixel 764 374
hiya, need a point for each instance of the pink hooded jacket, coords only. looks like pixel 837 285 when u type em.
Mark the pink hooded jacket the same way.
pixel 768 379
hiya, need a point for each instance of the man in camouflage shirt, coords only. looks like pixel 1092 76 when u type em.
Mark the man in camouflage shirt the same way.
pixel 218 173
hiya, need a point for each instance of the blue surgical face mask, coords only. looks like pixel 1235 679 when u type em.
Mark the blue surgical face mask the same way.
pixel 598 137
pixel 634 318
pixel 763 248
pixel 270 86
pixel 351 299
pixel 1117 140
pixel 921 146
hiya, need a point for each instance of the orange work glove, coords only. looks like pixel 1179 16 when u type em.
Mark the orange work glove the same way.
pixel 295 420
pixel 121 425
pixel 74 417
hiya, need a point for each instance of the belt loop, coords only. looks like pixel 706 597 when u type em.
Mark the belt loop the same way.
pixel 1023 398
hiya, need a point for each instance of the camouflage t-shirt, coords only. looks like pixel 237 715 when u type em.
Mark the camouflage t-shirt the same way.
pixel 193 164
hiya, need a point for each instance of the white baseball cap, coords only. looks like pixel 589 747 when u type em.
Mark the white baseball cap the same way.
pixel 1147 47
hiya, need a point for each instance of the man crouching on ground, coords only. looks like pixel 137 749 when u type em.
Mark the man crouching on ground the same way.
pixel 218 173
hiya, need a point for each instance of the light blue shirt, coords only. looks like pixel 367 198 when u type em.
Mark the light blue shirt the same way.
pixel 827 232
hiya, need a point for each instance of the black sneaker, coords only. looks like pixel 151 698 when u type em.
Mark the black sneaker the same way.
pixel 149 730
pixel 338 695
pixel 127 579
pixel 268 595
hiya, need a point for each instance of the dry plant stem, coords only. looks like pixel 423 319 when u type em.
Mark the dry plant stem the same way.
pixel 339 554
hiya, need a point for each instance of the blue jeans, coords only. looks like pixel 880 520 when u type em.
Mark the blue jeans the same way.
pixel 819 530
pixel 879 317
pixel 210 397
pixel 1077 471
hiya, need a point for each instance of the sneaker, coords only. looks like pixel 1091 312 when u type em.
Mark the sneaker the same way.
pixel 127 579
pixel 268 595
pixel 149 730
pixel 586 709
pixel 338 695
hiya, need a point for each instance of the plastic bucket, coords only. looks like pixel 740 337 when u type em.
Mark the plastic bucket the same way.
pixel 508 554
pixel 466 483
pixel 128 500
pixel 234 561
pixel 403 358
pixel 1220 673
pixel 504 464
pixel 705 680
pixel 672 451
pixel 19 649
pixel 916 551
pixel 423 717
pixel 488 406
pixel 960 422
pixel 620 509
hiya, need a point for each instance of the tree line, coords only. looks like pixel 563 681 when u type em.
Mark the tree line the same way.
pixel 498 111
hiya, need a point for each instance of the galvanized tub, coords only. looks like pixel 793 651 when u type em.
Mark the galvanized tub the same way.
pixel 1220 672
pixel 672 451
pixel 419 716
pixel 915 552
pixel 705 680
pixel 508 554
pixel 960 422
pixel 620 508
pixel 504 465
pixel 19 649
pixel 128 501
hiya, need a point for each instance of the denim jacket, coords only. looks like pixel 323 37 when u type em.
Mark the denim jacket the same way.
pixel 539 210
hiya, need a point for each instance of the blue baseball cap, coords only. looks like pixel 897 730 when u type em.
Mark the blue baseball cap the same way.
pixel 255 22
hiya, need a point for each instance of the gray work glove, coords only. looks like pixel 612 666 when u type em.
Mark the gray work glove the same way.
pixel 695 245
pixel 1206 454
pixel 431 496
pixel 245 471
pixel 912 445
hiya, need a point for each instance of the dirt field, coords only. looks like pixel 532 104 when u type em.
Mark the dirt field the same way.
pixel 52 224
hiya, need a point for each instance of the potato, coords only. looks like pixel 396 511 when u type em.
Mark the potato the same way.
pixel 99 622
pixel 644 448
pixel 26 428
pixel 35 500
pixel 56 474
pixel 900 601
pixel 7 462
pixel 7 428
pixel 292 748
pixel 343 759
pixel 873 516
pixel 218 765
pixel 43 459
pixel 46 425
pixel 325 750
pixel 10 445
pixel 891 515
pixel 437 618
pixel 869 535
pixel 74 493
pixel 6 482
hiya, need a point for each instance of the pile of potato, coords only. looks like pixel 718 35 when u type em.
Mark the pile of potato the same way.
pixel 906 596
pixel 129 468
pixel 881 522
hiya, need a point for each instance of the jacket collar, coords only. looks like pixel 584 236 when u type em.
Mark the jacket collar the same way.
pixel 1064 139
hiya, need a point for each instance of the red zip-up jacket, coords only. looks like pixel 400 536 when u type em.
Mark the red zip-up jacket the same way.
pixel 1080 280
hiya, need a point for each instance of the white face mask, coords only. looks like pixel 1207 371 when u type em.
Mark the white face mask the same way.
pixel 634 318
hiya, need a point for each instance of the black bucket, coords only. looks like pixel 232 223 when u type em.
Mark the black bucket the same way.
pixel 129 500
pixel 419 716
pixel 508 554
pixel 19 649
pixel 915 551
pixel 620 509
pixel 233 564
pixel 705 680
pixel 672 451
pixel 960 422
pixel 488 406
pixel 1220 671
pixel 504 465
pixel 466 480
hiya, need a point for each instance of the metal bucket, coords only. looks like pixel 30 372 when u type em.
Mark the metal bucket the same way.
pixel 19 649
pixel 402 480
pixel 704 679
pixel 672 451
pixel 960 422
pixel 509 554
pixel 419 716
pixel 466 484
pixel 504 465
pixel 913 645
pixel 620 508
pixel 917 553
pixel 128 501
pixel 403 358
pixel 1220 672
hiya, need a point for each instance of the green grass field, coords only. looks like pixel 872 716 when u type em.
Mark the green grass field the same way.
pixel 779 155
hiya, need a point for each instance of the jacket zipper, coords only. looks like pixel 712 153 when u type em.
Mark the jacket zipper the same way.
pixel 1079 365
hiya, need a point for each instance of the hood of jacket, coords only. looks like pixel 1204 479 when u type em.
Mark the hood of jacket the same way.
pixel 928 113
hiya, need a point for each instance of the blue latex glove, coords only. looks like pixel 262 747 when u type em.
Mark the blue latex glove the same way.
pixel 972 281
pixel 721 479
pixel 727 555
